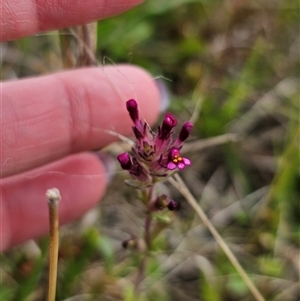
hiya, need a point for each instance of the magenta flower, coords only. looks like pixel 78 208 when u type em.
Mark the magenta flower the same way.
pixel 156 155
pixel 175 160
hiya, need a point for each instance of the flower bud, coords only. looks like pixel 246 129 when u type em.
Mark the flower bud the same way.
pixel 132 108
pixel 129 244
pixel 125 161
pixel 134 244
pixel 168 124
pixel 185 131
pixel 161 202
pixel 172 205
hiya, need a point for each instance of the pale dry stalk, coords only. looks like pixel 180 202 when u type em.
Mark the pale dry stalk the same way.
pixel 53 196
pixel 83 54
pixel 181 187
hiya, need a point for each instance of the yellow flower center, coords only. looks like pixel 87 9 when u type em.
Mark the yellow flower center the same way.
pixel 177 159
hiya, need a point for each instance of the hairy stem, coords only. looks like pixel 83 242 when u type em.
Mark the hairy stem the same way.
pixel 141 274
pixel 149 197
pixel 147 231
pixel 179 185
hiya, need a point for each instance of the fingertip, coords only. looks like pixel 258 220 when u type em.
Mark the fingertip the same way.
pixel 4 228
pixel 81 180
pixel 36 16
pixel 98 97
pixel 109 164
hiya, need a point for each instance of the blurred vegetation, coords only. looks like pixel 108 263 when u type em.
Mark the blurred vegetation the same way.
pixel 236 63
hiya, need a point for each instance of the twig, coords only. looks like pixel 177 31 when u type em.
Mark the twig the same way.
pixel 179 184
pixel 86 38
pixel 209 142
pixel 87 41
pixel 68 58
pixel 53 196
pixel 86 48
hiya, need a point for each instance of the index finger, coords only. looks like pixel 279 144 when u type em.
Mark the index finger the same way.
pixel 27 17
pixel 49 117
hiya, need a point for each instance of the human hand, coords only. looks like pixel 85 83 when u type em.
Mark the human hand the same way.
pixel 50 123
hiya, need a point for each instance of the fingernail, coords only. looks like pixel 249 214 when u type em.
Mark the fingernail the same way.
pixel 109 164
pixel 164 94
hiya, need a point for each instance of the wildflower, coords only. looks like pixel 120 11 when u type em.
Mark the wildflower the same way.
pixel 156 155
pixel 175 160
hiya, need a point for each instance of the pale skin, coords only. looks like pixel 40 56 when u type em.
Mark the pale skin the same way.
pixel 50 124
